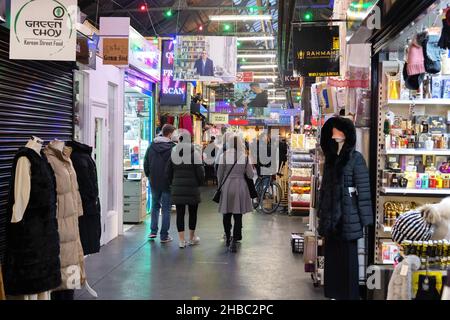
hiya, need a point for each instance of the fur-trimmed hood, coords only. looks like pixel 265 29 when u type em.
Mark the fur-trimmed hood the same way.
pixel 330 146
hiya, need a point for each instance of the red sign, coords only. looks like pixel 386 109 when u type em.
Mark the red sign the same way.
pixel 245 76
pixel 238 121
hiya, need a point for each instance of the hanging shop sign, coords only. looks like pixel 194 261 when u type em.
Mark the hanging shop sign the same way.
pixel 317 51
pixel 144 55
pixel 43 30
pixel 173 92
pixel 82 50
pixel 219 118
pixel 115 51
pixel 245 76
pixel 289 80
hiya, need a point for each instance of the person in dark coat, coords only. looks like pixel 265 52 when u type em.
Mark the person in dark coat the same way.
pixel 90 222
pixel 204 66
pixel 155 162
pixel 186 174
pixel 345 207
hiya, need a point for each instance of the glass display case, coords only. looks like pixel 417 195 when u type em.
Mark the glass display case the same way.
pixel 137 127
pixel 138 133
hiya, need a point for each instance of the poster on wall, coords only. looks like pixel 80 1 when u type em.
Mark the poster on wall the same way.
pixel 317 51
pixel 173 92
pixel 253 97
pixel 208 59
pixel 43 30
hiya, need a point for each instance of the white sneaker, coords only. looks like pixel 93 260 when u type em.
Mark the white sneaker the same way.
pixel 168 239
pixel 182 244
pixel 194 241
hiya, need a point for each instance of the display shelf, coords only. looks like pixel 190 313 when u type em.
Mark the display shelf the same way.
pixel 437 192
pixel 300 208
pixel 385 228
pixel 423 102
pixel 435 152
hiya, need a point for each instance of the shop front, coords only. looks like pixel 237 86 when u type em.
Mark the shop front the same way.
pixel 141 79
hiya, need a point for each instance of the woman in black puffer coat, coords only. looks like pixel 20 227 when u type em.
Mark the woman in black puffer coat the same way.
pixel 345 207
pixel 186 174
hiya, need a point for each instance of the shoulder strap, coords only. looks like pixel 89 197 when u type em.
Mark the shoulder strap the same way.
pixel 224 180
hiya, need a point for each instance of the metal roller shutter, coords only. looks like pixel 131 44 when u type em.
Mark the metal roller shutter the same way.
pixel 36 98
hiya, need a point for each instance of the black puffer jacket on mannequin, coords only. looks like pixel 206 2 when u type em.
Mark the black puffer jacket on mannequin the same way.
pixel 343 213
pixel 90 222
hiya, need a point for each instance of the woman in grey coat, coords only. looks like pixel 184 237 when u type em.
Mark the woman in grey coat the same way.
pixel 235 197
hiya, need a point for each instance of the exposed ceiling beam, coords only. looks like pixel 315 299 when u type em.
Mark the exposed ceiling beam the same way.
pixel 190 8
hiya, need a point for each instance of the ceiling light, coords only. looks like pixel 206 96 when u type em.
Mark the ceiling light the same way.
pixel 262 56
pixel 260 66
pixel 262 38
pixel 272 90
pixel 357 15
pixel 277 98
pixel 241 17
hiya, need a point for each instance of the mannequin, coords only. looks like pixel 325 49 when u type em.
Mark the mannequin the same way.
pixel 344 208
pixel 22 188
pixel 23 193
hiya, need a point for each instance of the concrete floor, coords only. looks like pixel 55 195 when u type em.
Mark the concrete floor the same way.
pixel 132 267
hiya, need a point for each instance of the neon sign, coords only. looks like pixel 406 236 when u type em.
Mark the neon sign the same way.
pixel 173 92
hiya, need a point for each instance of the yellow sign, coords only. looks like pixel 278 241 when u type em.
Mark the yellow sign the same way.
pixel 218 118
pixel 115 51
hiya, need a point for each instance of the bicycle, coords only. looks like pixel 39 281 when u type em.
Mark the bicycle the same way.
pixel 269 194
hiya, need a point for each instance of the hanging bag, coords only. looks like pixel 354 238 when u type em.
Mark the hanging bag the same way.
pixel 216 197
pixel 250 183
pixel 432 53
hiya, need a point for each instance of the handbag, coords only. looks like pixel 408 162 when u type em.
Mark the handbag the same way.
pixel 250 184
pixel 216 197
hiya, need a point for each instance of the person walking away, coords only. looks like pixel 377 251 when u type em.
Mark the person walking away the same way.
pixel 185 178
pixel 155 162
pixel 235 198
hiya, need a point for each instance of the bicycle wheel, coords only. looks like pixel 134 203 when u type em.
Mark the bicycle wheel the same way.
pixel 256 201
pixel 271 198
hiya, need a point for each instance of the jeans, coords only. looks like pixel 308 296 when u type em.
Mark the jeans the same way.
pixel 161 200
pixel 237 230
pixel 181 210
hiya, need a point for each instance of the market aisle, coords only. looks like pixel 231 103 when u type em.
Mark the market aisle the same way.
pixel 131 267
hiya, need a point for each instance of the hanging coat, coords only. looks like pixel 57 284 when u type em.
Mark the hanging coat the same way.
pixel 32 258
pixel 90 222
pixel 69 209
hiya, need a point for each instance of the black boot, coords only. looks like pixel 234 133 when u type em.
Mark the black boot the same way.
pixel 233 246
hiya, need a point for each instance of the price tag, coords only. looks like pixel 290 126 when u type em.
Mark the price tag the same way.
pixel 404 270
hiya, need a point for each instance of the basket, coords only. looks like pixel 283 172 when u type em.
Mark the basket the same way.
pixel 297 243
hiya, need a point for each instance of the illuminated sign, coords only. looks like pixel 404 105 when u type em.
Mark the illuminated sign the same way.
pixel 173 92
pixel 144 55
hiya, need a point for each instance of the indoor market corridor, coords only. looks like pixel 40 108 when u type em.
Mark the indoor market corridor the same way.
pixel 132 267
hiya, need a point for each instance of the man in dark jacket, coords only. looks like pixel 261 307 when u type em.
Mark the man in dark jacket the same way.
pixel 156 159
